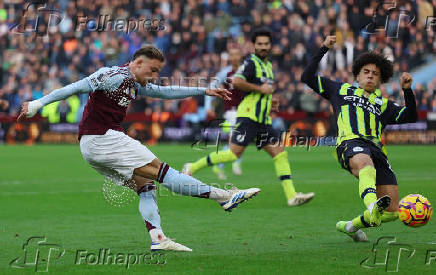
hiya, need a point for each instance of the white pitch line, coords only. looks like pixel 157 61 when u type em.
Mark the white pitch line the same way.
pixel 47 192
pixel 56 180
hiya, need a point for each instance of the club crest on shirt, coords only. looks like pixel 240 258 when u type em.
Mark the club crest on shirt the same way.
pixel 130 92
pixel 378 101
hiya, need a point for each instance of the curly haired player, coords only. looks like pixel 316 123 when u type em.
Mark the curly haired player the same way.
pixel 361 114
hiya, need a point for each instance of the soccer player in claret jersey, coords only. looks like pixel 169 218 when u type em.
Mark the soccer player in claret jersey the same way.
pixel 124 160
pixel 362 113
pixel 224 77
pixel 255 78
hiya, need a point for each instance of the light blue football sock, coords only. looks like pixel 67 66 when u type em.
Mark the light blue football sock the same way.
pixel 148 209
pixel 184 184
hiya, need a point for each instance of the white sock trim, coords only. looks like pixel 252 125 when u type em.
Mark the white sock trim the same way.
pixel 156 235
pixel 218 194
pixel 349 227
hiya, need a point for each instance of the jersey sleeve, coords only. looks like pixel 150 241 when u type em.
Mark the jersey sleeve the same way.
pixel 81 86
pixel 246 71
pixel 321 85
pixel 170 92
pixel 220 78
pixel 397 114
pixel 324 86
pixel 105 79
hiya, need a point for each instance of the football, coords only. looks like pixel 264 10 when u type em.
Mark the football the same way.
pixel 415 210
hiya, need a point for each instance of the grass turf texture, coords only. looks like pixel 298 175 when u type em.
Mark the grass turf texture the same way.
pixel 50 191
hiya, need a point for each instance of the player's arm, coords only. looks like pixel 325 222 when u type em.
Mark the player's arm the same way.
pixel 99 80
pixel 220 78
pixel 245 75
pixel 396 114
pixel 321 85
pixel 178 92
pixel 29 109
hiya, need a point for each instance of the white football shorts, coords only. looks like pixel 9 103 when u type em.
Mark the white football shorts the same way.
pixel 115 155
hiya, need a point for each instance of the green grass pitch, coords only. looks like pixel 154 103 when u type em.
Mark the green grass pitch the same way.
pixel 51 191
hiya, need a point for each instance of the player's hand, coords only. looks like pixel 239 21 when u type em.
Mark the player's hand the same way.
pixel 23 113
pixel 330 41
pixel 29 109
pixel 266 89
pixel 275 104
pixel 221 93
pixel 406 81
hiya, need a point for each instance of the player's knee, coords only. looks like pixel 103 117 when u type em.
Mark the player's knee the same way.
pixel 156 163
pixel 357 163
pixel 237 151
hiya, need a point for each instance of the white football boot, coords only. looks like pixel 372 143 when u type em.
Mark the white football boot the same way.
pixel 300 198
pixel 170 245
pixel 357 236
pixel 238 196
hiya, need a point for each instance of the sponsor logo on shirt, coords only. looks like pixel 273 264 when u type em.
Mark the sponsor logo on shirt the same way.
pixel 362 103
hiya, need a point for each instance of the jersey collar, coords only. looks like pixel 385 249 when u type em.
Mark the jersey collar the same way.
pixel 260 60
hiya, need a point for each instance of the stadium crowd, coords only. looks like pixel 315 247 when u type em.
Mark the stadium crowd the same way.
pixel 194 35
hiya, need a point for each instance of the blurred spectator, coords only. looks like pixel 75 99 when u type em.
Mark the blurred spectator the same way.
pixel 195 34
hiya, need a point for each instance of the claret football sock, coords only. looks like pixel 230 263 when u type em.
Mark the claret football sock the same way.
pixel 212 159
pixel 283 171
pixel 367 191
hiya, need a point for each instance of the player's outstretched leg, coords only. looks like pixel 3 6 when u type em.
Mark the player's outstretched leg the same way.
pixel 353 228
pixel 362 166
pixel 283 171
pixel 367 191
pixel 211 159
pixel 236 167
pixel 218 169
pixel 186 185
pixel 150 213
